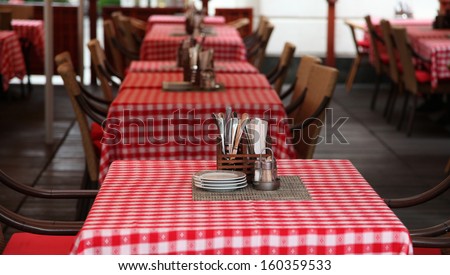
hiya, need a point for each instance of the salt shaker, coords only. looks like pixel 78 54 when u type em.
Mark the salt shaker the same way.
pixel 265 177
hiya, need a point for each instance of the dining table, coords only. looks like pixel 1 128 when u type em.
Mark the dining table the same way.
pixel 432 44
pixel 146 121
pixel 163 40
pixel 241 67
pixel 33 32
pixel 180 20
pixel 152 80
pixel 323 207
pixel 12 63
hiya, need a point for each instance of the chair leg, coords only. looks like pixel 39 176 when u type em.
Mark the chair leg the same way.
pixel 412 116
pixel 402 115
pixel 395 95
pixel 84 204
pixel 352 73
pixel 375 94
pixel 389 100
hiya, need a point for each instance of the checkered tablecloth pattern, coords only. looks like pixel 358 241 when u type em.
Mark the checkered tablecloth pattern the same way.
pixel 156 124
pixel 438 51
pixel 146 207
pixel 161 43
pixel 170 66
pixel 33 30
pixel 173 19
pixel 11 58
pixel 155 80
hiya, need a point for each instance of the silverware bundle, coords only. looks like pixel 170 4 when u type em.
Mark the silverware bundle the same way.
pixel 232 128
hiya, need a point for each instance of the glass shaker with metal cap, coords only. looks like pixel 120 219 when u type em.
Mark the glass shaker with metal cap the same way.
pixel 266 173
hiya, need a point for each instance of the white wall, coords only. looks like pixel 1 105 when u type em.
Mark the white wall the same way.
pixel 304 22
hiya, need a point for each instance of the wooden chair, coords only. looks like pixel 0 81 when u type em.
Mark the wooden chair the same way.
pixel 432 238
pixel 35 236
pixel 380 61
pixel 416 81
pixel 115 54
pixel 65 57
pixel 240 24
pixel 125 35
pixel 308 121
pixel 278 75
pixel 89 136
pixel 103 69
pixel 256 55
pixel 394 68
pixel 299 84
pixel 121 56
pixel 235 14
pixel 362 52
pixel 255 37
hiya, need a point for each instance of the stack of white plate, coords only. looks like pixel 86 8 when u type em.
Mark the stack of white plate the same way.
pixel 219 180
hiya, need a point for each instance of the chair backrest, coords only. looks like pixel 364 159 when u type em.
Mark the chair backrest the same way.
pixel 62 58
pixel 391 50
pixel 5 20
pixel 73 90
pixel 124 31
pixel 406 59
pixel 262 25
pixel 239 24
pixel 98 58
pixel 353 27
pixel 302 76
pixel 116 55
pixel 320 87
pixel 283 64
pixel 259 58
pixel 374 44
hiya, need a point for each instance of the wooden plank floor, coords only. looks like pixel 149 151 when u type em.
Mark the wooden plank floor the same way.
pixel 392 163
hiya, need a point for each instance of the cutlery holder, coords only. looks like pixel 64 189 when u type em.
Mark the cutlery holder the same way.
pixel 242 161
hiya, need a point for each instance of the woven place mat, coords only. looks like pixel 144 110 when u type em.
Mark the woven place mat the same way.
pixel 291 188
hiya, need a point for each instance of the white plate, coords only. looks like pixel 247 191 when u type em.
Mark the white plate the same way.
pixel 219 184
pixel 231 188
pixel 219 175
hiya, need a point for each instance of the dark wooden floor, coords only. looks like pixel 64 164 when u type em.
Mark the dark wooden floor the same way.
pixel 392 163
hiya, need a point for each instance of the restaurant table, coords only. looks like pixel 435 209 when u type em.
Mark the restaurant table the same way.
pixel 437 50
pixel 175 19
pixel 145 123
pixel 163 40
pixel 430 43
pixel 228 80
pixel 33 31
pixel 170 66
pixel 11 58
pixel 147 207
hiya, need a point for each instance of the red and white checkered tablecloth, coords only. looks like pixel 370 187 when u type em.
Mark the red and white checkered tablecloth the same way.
pixel 11 58
pixel 429 43
pixel 173 19
pixel 33 30
pixel 155 80
pixel 170 66
pixel 146 207
pixel 163 125
pixel 162 42
pixel 438 51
